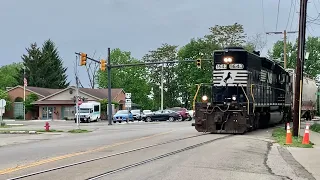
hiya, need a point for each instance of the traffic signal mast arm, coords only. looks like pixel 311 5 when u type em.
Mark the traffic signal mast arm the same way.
pixel 148 63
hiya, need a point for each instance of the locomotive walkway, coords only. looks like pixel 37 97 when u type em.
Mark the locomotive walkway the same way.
pixel 309 158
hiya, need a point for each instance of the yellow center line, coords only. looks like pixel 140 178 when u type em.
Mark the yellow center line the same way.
pixel 53 159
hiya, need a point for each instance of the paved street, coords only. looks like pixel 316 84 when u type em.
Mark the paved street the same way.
pixel 132 151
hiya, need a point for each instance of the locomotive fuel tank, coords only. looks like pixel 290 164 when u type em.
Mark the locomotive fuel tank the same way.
pixel 309 94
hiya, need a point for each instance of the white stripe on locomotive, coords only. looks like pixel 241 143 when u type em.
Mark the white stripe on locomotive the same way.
pixel 237 77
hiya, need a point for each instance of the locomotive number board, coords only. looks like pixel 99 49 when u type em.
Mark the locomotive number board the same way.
pixel 231 66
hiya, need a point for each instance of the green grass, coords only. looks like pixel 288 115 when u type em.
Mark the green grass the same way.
pixel 315 127
pixel 279 134
pixel 79 131
pixel 51 130
pixel 39 131
pixel 5 126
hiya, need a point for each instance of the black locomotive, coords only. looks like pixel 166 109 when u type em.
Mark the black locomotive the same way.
pixel 247 92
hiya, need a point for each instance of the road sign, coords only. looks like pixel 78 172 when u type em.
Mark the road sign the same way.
pixel 128 105
pixel 2 111
pixel 2 103
pixel 128 100
pixel 128 95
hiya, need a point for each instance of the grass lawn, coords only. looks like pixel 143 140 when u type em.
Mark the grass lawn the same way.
pixel 279 134
pixel 79 131
pixel 315 127
pixel 51 130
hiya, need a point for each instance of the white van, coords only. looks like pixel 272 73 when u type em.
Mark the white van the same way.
pixel 89 111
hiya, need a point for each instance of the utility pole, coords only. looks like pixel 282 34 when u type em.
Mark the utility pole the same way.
pixel 109 89
pixel 77 94
pixel 162 87
pixel 299 69
pixel 284 44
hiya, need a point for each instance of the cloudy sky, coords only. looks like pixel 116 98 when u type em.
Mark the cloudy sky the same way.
pixel 135 25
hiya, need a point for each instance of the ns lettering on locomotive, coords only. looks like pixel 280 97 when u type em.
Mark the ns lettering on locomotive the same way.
pixel 247 92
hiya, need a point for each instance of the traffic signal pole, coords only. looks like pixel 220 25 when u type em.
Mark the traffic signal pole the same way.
pixel 109 88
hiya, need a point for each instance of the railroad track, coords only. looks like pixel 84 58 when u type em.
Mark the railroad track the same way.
pixel 126 152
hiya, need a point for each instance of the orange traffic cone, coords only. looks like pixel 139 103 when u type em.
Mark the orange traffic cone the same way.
pixel 306 135
pixel 289 135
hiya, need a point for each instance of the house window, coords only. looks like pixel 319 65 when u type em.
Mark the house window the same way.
pixel 69 112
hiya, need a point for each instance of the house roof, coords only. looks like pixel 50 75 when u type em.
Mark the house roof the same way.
pixel 102 93
pixel 57 102
pixel 98 94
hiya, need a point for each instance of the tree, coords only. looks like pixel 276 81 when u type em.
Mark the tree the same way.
pixel 311 65
pixel 30 99
pixel 230 35
pixel 4 95
pixel 164 53
pixel 188 75
pixel 44 67
pixel 255 42
pixel 131 79
pixel 8 74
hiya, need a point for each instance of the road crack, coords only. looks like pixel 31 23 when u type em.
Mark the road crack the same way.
pixel 269 146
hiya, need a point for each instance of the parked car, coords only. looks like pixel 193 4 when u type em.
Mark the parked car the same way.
pixel 163 116
pixel 146 113
pixel 136 114
pixel 183 112
pixel 123 115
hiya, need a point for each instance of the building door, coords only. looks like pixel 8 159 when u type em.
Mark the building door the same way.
pixel 47 112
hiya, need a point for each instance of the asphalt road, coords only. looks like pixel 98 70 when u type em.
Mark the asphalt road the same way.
pixel 212 156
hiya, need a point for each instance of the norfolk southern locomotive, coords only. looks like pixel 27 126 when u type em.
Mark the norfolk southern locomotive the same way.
pixel 248 92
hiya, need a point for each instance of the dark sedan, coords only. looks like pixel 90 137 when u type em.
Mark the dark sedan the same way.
pixel 163 116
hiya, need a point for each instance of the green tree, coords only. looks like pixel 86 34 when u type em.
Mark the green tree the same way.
pixel 164 53
pixel 230 35
pixel 311 65
pixel 8 74
pixel 30 99
pixel 4 95
pixel 43 67
pixel 131 79
pixel 188 75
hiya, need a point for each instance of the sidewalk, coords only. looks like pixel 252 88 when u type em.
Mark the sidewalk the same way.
pixel 309 158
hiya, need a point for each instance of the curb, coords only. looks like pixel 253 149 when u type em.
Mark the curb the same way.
pixel 19 132
pixel 15 124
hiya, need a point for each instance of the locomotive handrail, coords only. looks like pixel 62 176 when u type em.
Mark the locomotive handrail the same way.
pixel 251 91
pixel 247 99
pixel 195 97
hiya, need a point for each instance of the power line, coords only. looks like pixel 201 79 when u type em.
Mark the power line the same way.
pixel 289 14
pixel 278 14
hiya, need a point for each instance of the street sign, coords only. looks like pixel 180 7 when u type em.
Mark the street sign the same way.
pixel 2 103
pixel 128 105
pixel 128 100
pixel 2 111
pixel 128 95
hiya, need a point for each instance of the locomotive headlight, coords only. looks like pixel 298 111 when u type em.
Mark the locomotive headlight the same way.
pixel 204 98
pixel 234 97
pixel 227 59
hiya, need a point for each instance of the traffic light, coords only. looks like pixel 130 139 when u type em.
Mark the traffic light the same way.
pixel 199 63
pixel 83 59
pixel 103 65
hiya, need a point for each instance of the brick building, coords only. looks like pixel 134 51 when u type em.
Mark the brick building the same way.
pixel 57 103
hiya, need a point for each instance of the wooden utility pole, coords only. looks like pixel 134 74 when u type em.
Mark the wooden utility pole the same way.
pixel 299 69
pixel 284 44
